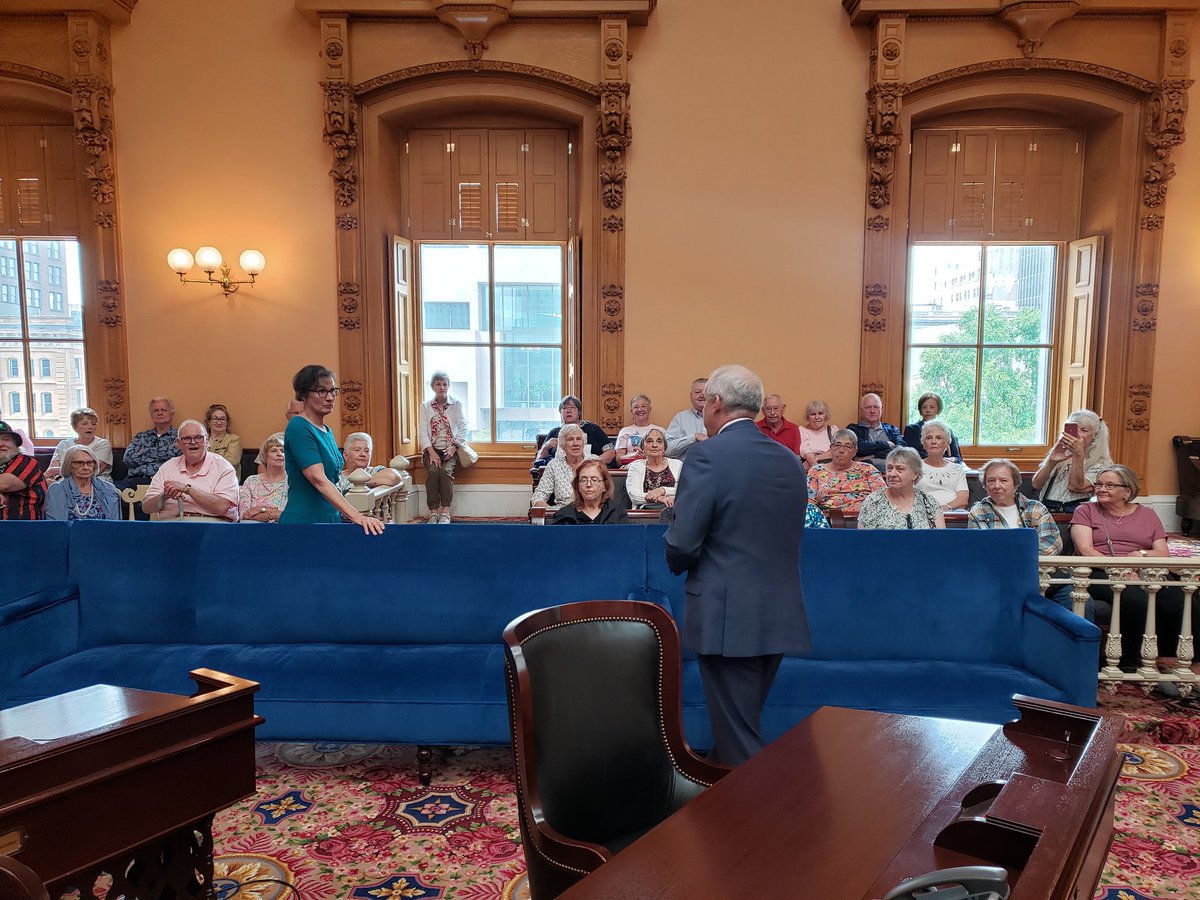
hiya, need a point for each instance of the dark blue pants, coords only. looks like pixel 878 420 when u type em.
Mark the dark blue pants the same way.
pixel 735 689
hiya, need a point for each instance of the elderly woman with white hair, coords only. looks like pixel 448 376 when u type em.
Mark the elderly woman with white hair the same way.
pixel 81 494
pixel 652 481
pixel 1067 475
pixel 555 489
pixel 941 478
pixel 901 504
pixel 84 421
pixel 1003 507
pixel 264 496
pixel 357 454
pixel 443 430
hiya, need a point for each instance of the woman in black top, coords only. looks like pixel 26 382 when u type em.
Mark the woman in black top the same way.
pixel 593 503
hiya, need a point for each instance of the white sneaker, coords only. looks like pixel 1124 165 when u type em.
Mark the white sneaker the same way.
pixel 444 519
pixel 434 519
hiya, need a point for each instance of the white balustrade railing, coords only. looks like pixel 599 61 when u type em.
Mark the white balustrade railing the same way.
pixel 1152 574
pixel 388 503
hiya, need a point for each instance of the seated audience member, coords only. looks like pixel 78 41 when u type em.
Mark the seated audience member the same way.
pixel 357 455
pixel 570 410
pixel 843 483
pixel 629 438
pixel 816 434
pixel 652 481
pixel 775 426
pixel 1116 526
pixel 197 485
pixel 942 479
pixel 22 484
pixel 1003 507
pixel 84 421
pixel 1064 479
pixel 556 487
pixel 593 503
pixel 149 449
pixel 220 441
pixel 263 497
pixel 930 407
pixel 813 517
pixel 81 494
pixel 901 504
pixel 687 426
pixel 876 438
pixel 294 407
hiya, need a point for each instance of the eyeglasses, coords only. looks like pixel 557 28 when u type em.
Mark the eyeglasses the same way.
pixel 1110 485
pixel 590 480
pixel 326 392
pixel 218 419
pixel 837 446
pixel 197 439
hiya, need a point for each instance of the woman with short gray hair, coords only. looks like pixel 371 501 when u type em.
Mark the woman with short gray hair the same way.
pixel 84 421
pixel 443 430
pixel 842 484
pixel 80 495
pixel 1004 507
pixel 901 504
pixel 944 479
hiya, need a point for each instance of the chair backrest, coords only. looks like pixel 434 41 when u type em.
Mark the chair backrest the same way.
pixel 595 705
pixel 132 496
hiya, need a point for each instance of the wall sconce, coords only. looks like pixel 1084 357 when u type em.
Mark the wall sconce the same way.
pixel 209 260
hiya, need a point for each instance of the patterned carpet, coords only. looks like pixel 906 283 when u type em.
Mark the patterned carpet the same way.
pixel 352 820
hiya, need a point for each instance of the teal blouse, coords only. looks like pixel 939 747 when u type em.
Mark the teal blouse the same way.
pixel 305 445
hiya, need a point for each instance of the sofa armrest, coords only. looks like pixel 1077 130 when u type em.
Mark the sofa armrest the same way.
pixel 37 629
pixel 1061 648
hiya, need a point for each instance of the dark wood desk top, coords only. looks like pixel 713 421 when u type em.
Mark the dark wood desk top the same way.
pixel 849 803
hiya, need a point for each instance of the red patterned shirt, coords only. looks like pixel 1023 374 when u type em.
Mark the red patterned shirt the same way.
pixel 27 503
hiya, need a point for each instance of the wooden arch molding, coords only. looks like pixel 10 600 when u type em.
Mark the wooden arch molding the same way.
pixel 81 93
pixel 359 121
pixel 1149 116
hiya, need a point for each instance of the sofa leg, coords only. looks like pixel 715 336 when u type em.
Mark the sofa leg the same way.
pixel 425 765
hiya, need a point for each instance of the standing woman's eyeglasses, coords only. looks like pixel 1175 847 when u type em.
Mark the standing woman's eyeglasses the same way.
pixel 326 392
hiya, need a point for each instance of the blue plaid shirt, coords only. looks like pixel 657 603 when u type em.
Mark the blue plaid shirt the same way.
pixel 1032 514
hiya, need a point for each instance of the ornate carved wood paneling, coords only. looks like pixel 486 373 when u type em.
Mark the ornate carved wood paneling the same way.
pixel 363 339
pixel 87 36
pixel 1126 353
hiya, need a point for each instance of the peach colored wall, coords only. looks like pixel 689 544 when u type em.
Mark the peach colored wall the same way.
pixel 746 197
pixel 218 119
pixel 746 191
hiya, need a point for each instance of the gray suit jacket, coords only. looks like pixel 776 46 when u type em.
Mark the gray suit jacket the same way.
pixel 739 520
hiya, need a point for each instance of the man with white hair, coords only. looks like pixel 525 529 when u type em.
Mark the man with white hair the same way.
pixel 687 426
pixel 149 449
pixel 197 485
pixel 739 519
pixel 22 485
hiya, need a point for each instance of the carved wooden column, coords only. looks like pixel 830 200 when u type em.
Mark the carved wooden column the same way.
pixel 613 136
pixel 881 363
pixel 91 100
pixel 341 133
pixel 1165 117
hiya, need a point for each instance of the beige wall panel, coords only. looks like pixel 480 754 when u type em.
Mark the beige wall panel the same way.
pixel 745 202
pixel 219 141
pixel 37 43
pixel 1175 371
pixel 568 48
pixel 380 47
pixel 1131 45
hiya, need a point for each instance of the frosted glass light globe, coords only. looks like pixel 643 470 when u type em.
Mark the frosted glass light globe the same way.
pixel 252 262
pixel 180 261
pixel 208 259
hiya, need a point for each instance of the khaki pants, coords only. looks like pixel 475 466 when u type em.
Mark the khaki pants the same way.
pixel 439 481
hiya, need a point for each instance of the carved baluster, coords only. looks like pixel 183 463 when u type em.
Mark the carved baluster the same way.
pixel 1080 577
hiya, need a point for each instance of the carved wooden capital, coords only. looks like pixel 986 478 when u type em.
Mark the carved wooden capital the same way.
pixel 473 20
pixel 1033 18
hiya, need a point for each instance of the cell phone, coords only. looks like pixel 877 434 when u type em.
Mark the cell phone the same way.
pixel 1072 428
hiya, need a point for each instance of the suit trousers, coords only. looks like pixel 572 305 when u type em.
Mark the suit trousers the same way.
pixel 735 689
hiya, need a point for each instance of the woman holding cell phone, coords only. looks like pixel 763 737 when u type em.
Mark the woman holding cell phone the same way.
pixel 1065 477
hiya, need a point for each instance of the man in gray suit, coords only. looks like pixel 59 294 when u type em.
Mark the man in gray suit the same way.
pixel 739 519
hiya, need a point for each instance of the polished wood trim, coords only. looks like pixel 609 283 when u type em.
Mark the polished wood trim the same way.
pixel 637 11
pixel 117 12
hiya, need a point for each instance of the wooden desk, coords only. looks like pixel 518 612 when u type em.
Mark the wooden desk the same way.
pixel 849 803
pixel 104 778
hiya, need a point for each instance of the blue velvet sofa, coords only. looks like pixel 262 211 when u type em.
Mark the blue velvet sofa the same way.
pixel 396 638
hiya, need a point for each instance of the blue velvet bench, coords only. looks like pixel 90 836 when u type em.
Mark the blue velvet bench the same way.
pixel 396 638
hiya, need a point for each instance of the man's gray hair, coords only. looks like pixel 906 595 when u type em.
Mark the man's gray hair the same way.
pixel 166 400
pixel 738 387
pixel 360 436
pixel 186 422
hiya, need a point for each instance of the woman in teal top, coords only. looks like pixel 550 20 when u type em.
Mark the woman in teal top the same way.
pixel 312 459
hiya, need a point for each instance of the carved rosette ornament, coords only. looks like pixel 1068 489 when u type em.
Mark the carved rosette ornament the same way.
pixel 613 320
pixel 1139 408
pixel 1145 308
pixel 611 403
pixel 875 306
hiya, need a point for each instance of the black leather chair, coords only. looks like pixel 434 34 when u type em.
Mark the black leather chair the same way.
pixel 594 702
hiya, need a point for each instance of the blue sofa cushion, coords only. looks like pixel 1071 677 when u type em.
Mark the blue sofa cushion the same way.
pixel 893 605
pixel 34 557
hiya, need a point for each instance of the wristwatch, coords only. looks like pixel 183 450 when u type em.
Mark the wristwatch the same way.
pixel 188 490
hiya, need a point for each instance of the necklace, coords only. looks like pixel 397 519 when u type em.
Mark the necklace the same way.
pixel 1108 537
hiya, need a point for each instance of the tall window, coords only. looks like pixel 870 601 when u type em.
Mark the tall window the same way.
pixel 41 343
pixel 981 327
pixel 492 318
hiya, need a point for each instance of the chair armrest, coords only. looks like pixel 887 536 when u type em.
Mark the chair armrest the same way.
pixel 37 629
pixel 1061 648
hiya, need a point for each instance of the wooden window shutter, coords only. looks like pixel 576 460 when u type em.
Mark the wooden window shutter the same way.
pixel 506 171
pixel 429 184
pixel 468 167
pixel 546 193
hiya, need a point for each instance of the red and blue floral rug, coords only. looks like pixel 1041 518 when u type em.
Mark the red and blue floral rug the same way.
pixel 352 822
